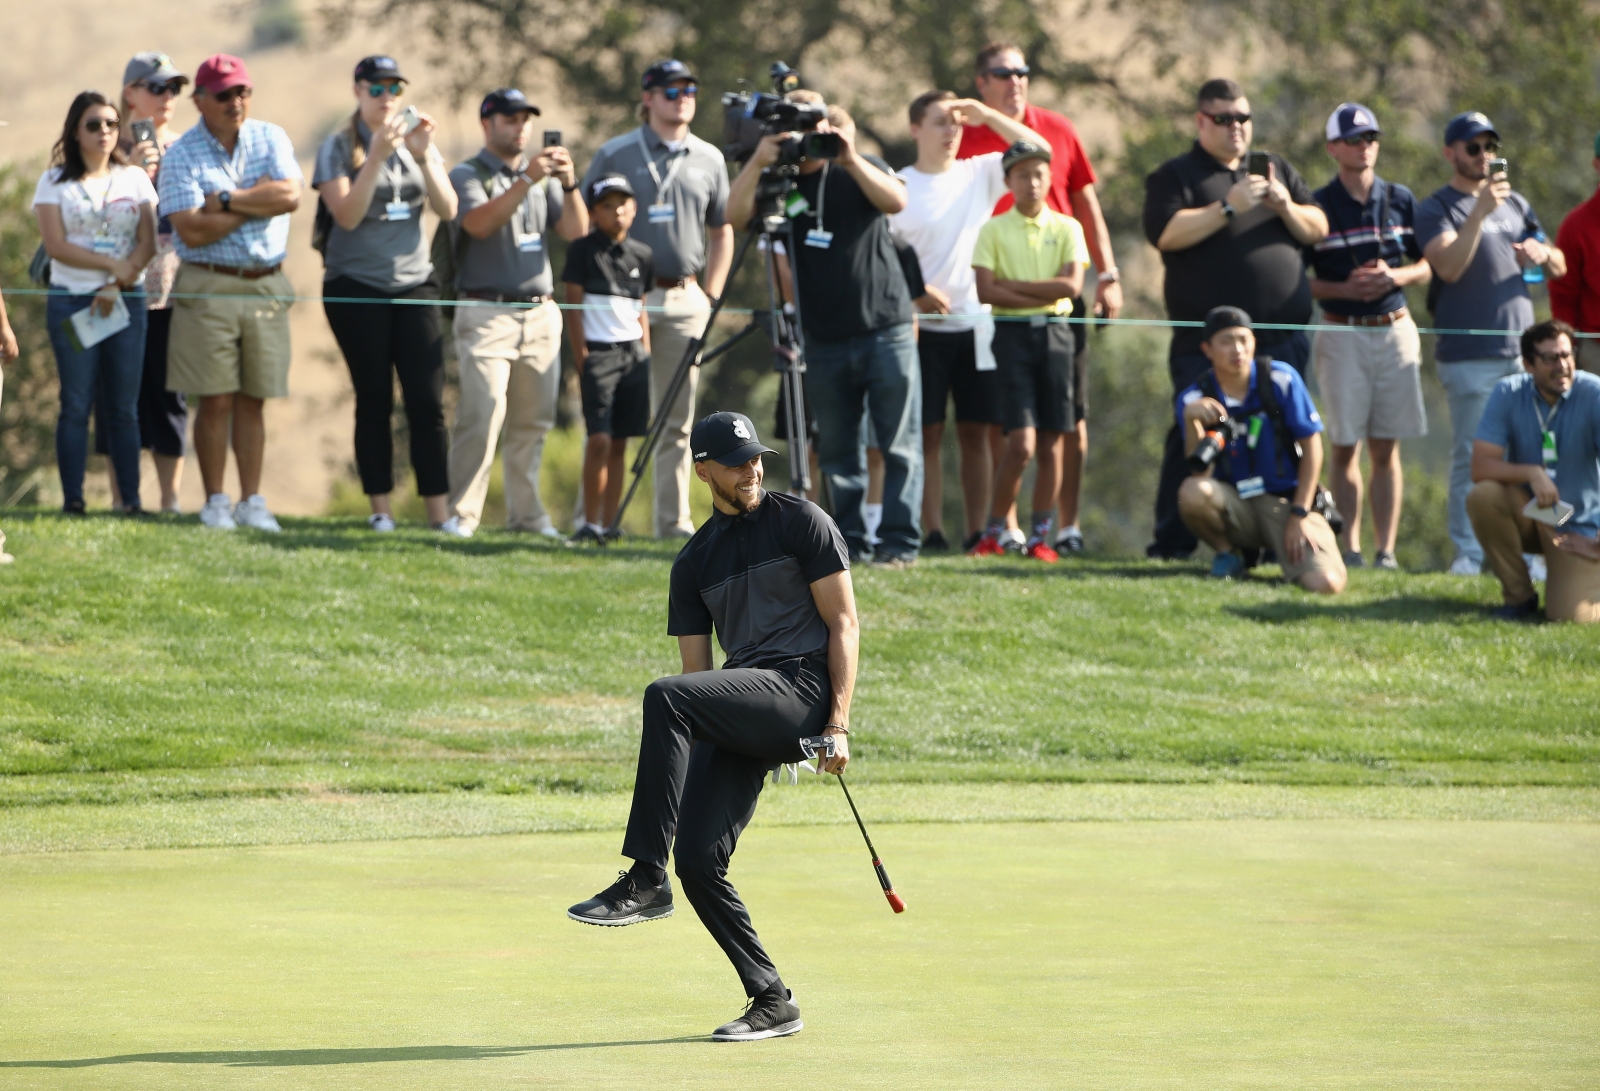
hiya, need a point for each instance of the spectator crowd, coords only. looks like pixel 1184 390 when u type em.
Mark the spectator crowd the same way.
pixel 945 283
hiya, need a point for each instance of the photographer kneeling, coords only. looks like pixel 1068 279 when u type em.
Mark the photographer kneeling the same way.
pixel 1255 456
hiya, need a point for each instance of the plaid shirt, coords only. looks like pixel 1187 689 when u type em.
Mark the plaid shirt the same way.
pixel 196 164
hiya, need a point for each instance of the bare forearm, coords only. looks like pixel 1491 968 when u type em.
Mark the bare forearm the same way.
pixel 844 650
pixel 1191 226
pixel 199 228
pixel 999 294
pixel 1086 210
pixel 268 198
pixel 719 257
pixel 1556 267
pixel 1307 223
pixel 1310 475
pixel 886 192
pixel 574 222
pixel 742 195
pixel 441 194
pixel 1450 260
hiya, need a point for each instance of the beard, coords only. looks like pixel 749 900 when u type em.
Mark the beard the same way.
pixel 736 500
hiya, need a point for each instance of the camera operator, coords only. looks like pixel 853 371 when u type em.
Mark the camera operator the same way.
pixel 1250 493
pixel 855 310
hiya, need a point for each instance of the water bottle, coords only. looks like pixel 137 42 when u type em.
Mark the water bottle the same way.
pixel 1534 274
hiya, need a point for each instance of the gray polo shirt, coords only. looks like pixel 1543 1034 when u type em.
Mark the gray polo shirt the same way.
pixel 387 249
pixel 516 259
pixel 697 194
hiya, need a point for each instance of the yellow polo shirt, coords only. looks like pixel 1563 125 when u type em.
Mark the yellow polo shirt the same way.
pixel 1017 248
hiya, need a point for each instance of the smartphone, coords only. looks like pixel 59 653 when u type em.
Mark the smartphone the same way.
pixel 1498 166
pixel 1258 163
pixel 1553 517
pixel 409 119
pixel 144 129
pixel 552 138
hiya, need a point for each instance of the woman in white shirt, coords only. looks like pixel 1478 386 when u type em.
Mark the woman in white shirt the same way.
pixel 97 217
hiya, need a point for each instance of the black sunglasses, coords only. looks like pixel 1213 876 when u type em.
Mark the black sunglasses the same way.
pixel 1363 138
pixel 1225 120
pixel 232 93
pixel 100 124
pixel 1562 357
pixel 673 94
pixel 170 87
pixel 1490 146
pixel 1021 72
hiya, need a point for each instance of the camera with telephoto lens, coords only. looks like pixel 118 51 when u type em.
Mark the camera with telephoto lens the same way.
pixel 1215 441
pixel 748 116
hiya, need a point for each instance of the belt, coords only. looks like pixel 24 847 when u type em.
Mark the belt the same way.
pixel 505 297
pixel 243 272
pixel 681 282
pixel 1365 319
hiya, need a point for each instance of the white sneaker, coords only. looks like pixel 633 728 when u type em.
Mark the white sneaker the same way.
pixel 381 523
pixel 1537 572
pixel 218 512
pixel 1465 566
pixel 453 527
pixel 1014 537
pixel 5 558
pixel 552 532
pixel 252 512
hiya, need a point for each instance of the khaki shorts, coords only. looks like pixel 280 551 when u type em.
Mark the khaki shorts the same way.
pixel 235 341
pixel 1371 381
pixel 1258 523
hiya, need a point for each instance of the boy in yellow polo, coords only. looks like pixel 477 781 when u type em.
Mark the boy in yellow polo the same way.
pixel 1029 264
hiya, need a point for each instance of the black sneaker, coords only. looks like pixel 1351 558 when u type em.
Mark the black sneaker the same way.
pixel 1518 611
pixel 1386 562
pixel 612 534
pixel 1070 541
pixel 625 902
pixel 772 1014
pixel 1354 559
pixel 936 542
pixel 586 535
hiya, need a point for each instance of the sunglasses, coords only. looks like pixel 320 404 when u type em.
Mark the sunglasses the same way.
pixel 1363 138
pixel 170 87
pixel 1021 72
pixel 673 94
pixel 377 90
pixel 1562 357
pixel 232 93
pixel 1225 120
pixel 100 124
pixel 1490 146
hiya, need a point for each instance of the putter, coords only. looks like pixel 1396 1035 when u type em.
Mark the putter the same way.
pixel 809 747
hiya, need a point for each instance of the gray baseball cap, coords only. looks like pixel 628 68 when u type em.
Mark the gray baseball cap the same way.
pixel 157 67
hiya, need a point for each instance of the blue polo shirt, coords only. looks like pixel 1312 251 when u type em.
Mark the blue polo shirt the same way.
pixel 1279 471
pixel 1512 420
pixel 1384 226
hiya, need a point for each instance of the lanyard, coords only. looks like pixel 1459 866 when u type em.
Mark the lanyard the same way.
pixel 103 213
pixel 822 192
pixel 676 157
pixel 1547 438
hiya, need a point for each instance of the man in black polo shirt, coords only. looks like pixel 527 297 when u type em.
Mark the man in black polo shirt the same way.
pixel 1227 238
pixel 771 575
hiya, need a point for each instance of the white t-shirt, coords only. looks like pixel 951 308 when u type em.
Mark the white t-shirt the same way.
pixel 100 214
pixel 612 318
pixel 941 220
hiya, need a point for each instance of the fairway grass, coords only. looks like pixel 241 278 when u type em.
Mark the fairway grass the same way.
pixel 1245 954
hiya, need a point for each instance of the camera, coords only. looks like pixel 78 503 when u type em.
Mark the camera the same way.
pixel 1215 441
pixel 748 116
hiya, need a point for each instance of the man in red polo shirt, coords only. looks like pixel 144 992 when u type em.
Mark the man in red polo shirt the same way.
pixel 1002 80
pixel 1575 298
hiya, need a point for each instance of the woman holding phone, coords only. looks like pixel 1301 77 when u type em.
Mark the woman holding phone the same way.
pixel 374 176
pixel 97 216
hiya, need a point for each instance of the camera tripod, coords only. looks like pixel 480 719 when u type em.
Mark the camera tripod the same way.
pixel 788 345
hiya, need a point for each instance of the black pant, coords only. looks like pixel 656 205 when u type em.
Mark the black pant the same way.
pixel 379 341
pixel 709 741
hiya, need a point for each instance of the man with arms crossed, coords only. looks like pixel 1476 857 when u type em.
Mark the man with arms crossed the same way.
pixel 948 199
pixel 508 337
pixel 228 186
pixel 770 574
pixel 682 187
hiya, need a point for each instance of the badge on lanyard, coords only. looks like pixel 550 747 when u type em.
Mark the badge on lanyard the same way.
pixel 662 214
pixel 819 238
pixel 533 244
pixel 105 244
pixel 396 210
pixel 1250 487
pixel 796 205
pixel 1547 451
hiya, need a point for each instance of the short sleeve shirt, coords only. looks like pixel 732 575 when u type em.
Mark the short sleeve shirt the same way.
pixel 1278 470
pixel 1253 262
pixel 514 260
pixel 615 275
pixel 1491 294
pixel 748 578
pixel 941 220
pixel 1358 233
pixel 695 180
pixel 1069 164
pixel 197 164
pixel 1516 418
pixel 98 214
pixel 1017 248
pixel 387 249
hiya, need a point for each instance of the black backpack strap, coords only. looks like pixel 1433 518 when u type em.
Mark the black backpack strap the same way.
pixel 1267 391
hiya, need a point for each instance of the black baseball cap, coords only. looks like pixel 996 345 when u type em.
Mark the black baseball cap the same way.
pixel 378 67
pixel 1224 318
pixel 664 72
pixel 1021 151
pixel 608 183
pixel 506 100
pixel 1466 126
pixel 728 438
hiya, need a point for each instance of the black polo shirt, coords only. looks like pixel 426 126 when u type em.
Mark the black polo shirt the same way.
pixel 601 265
pixel 1253 262
pixel 750 576
pixel 1358 233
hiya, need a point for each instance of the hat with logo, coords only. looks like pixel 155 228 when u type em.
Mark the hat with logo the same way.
pixel 151 68
pixel 664 72
pixel 378 68
pixel 728 438
pixel 1466 126
pixel 506 100
pixel 219 72
pixel 1351 119
pixel 608 183
pixel 1224 318
pixel 1022 151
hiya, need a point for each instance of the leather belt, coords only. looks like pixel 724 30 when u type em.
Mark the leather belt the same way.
pixel 681 282
pixel 243 272
pixel 1365 319
pixel 504 297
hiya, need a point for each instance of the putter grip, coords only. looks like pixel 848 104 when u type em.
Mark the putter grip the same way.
pixel 896 902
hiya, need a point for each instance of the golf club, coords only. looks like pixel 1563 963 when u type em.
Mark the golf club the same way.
pixel 824 744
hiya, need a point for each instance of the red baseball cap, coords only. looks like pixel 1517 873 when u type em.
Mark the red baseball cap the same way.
pixel 221 71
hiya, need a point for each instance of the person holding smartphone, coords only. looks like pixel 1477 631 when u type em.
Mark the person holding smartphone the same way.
pixel 374 176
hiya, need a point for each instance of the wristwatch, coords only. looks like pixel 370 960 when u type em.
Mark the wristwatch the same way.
pixel 524 176
pixel 1111 276
pixel 569 189
pixel 1228 211
pixel 225 199
pixel 1297 510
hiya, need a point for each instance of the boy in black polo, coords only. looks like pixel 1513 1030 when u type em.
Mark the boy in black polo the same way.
pixel 609 273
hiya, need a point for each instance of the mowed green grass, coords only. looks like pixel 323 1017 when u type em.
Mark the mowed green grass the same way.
pixel 157 660
pixel 1243 954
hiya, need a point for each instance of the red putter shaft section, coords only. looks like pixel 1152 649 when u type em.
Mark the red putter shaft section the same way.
pixel 896 902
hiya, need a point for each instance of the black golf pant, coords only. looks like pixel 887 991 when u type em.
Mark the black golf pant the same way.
pixel 709 741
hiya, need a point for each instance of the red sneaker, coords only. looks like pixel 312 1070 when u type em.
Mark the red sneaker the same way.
pixel 988 546
pixel 1041 552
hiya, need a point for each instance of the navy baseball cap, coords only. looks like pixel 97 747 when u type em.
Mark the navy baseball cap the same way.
pixel 1021 151
pixel 606 184
pixel 1466 126
pixel 728 438
pixel 664 72
pixel 506 100
pixel 1224 318
pixel 376 68
pixel 1351 119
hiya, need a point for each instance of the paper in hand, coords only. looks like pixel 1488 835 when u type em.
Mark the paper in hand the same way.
pixel 89 328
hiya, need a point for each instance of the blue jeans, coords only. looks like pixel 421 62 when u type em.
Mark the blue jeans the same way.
pixel 1468 383
pixel 877 372
pixel 110 372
